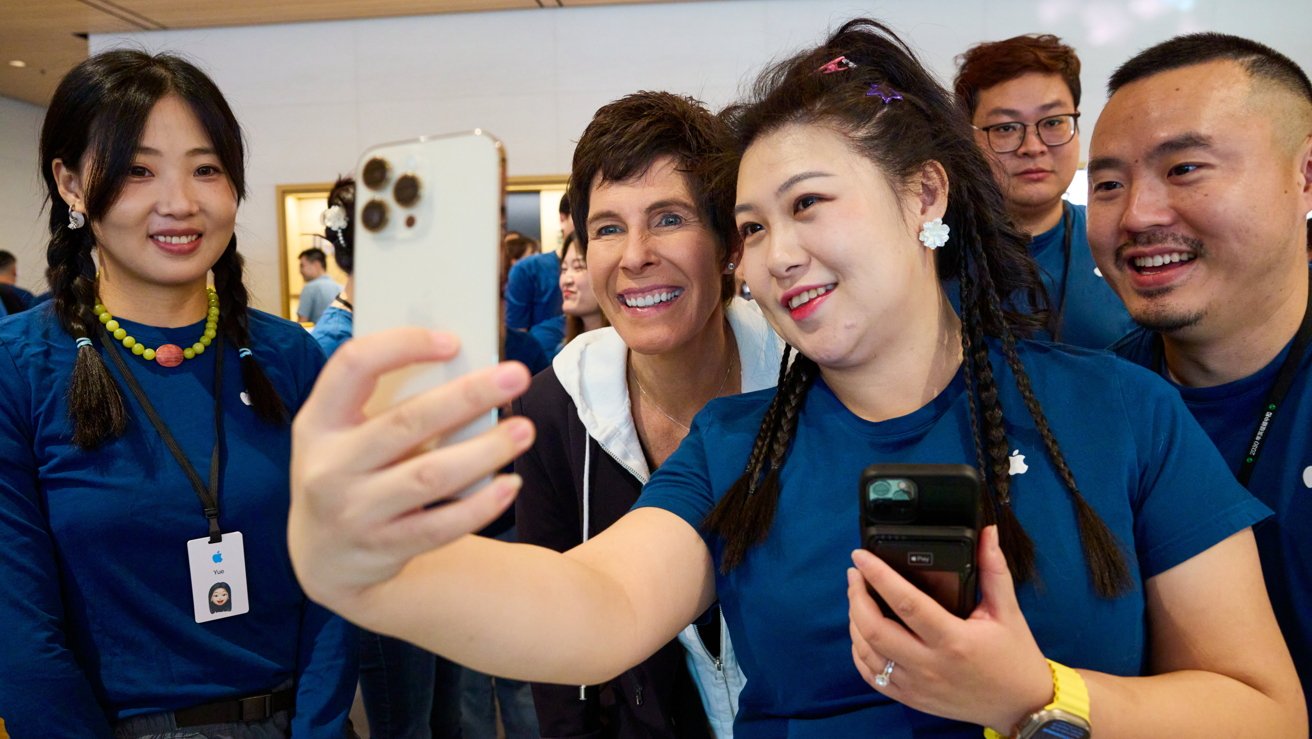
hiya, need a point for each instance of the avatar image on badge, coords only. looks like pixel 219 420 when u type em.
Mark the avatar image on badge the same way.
pixel 220 597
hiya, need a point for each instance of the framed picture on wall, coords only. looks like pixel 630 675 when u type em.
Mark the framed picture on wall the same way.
pixel 532 208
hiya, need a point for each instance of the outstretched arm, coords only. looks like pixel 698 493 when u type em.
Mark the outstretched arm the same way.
pixel 364 543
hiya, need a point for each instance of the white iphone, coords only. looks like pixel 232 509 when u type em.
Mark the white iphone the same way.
pixel 427 253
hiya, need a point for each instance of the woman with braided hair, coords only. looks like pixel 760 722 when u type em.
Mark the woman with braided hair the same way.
pixel 145 436
pixel 1119 583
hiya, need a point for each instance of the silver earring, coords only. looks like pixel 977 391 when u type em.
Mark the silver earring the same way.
pixel 731 267
pixel 76 219
pixel 934 233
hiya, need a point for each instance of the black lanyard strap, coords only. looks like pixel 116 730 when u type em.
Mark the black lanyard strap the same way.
pixel 1067 222
pixel 209 496
pixel 1284 381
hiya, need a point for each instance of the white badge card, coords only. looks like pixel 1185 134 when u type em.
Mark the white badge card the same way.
pixel 218 577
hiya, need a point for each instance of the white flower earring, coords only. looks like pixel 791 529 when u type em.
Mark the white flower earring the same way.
pixel 76 219
pixel 934 233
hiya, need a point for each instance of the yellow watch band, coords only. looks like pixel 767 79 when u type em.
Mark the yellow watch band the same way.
pixel 1069 694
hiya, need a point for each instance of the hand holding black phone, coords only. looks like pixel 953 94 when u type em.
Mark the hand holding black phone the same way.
pixel 923 521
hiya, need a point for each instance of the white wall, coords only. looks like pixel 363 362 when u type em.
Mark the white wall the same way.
pixel 23 229
pixel 313 95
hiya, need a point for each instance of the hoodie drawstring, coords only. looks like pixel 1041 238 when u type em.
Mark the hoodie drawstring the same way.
pixel 587 514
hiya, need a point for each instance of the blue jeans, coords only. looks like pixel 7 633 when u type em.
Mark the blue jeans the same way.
pixel 480 697
pixel 162 726
pixel 396 683
pixel 445 719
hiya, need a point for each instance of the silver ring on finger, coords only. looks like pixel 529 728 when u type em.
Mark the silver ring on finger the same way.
pixel 883 678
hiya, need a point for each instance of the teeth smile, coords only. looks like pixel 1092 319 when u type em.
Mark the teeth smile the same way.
pixel 809 295
pixel 1160 259
pixel 178 239
pixel 650 299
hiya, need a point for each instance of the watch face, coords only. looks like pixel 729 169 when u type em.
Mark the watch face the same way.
pixel 1054 723
pixel 1058 729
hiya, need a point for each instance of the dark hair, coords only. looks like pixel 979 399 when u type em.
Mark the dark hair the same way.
pixel 994 62
pixel 227 605
pixel 514 247
pixel 7 259
pixel 1259 60
pixel 574 324
pixel 986 253
pixel 343 196
pixel 627 136
pixel 564 204
pixel 94 125
pixel 315 254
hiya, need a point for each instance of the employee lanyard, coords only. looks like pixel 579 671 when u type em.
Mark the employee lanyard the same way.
pixel 1066 224
pixel 1284 381
pixel 209 496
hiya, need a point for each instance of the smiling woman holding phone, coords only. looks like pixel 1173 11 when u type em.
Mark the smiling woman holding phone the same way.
pixel 1120 589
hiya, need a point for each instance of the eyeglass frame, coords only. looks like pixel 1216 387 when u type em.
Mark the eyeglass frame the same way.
pixel 1025 131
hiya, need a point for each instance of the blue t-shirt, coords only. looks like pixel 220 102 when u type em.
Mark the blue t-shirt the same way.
pixel 1093 316
pixel 334 327
pixel 1139 458
pixel 550 335
pixel 316 296
pixel 533 291
pixel 1282 477
pixel 97 615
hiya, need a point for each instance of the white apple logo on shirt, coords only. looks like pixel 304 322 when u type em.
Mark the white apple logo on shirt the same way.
pixel 1307 477
pixel 1018 466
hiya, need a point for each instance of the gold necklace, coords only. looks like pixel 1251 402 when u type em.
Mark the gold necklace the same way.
pixel 672 419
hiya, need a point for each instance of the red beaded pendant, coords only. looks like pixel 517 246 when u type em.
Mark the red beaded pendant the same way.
pixel 169 355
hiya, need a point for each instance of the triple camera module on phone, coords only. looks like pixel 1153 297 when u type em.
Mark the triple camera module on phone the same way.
pixel 405 193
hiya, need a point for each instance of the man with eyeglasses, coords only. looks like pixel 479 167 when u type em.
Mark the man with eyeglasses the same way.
pixel 1022 95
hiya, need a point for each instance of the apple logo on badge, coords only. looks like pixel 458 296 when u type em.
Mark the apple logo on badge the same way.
pixel 218 557
pixel 1307 477
pixel 1018 466
pixel 245 397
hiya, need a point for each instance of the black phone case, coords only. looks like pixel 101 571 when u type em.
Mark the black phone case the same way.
pixel 938 559
pixel 936 548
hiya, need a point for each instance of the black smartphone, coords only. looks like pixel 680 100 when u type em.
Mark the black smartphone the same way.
pixel 923 520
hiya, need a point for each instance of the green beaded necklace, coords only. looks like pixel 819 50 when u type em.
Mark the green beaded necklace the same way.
pixel 167 355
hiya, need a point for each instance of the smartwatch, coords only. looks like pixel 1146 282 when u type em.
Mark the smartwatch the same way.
pixel 1066 717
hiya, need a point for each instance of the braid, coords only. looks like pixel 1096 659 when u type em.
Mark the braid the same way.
pixel 744 515
pixel 234 323
pixel 1016 543
pixel 971 335
pixel 95 405
pixel 1103 554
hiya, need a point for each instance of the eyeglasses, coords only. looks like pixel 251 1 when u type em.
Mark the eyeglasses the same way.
pixel 1009 136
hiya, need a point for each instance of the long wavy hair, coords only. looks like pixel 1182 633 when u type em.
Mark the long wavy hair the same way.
pixel 94 126
pixel 987 254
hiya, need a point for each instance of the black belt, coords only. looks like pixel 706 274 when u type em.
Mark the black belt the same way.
pixel 251 708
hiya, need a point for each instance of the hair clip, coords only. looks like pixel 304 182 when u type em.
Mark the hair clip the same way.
pixel 837 64
pixel 334 218
pixel 885 93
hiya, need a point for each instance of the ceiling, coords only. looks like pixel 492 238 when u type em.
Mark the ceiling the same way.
pixel 49 36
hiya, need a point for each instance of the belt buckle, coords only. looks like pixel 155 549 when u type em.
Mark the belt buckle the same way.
pixel 256 707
